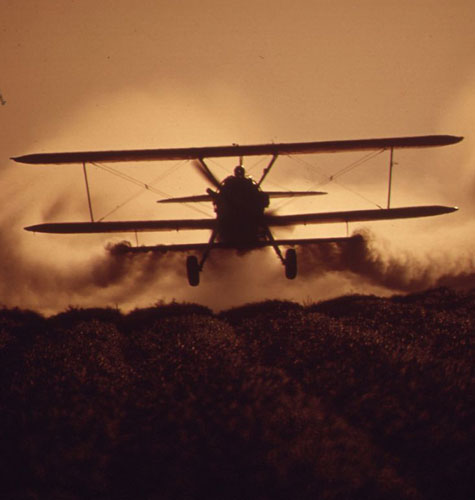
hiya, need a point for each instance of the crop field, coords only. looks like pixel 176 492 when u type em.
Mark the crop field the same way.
pixel 358 397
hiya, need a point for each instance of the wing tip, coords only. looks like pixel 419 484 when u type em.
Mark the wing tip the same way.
pixel 454 139
pixel 30 159
pixel 445 209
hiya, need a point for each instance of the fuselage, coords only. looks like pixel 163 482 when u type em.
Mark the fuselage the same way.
pixel 240 206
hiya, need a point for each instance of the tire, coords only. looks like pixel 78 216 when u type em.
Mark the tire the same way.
pixel 193 270
pixel 290 264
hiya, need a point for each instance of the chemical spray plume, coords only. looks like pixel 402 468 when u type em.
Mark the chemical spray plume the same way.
pixel 371 261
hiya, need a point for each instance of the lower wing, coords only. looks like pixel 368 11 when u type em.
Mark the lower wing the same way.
pixel 358 215
pixel 122 226
pixel 270 220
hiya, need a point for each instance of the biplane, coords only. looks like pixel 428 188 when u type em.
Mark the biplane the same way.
pixel 242 220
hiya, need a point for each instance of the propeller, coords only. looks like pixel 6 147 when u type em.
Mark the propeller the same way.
pixel 204 170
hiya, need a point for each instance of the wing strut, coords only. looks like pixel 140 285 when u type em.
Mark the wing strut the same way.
pixel 87 191
pixel 391 163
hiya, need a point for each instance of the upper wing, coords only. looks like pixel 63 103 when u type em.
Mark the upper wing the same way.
pixel 235 150
pixel 122 226
pixel 358 215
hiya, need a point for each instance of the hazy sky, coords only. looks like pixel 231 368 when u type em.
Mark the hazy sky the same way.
pixel 78 75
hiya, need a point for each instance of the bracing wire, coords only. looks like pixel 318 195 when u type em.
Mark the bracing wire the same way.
pixel 355 164
pixel 327 179
pixel 144 186
pixel 217 164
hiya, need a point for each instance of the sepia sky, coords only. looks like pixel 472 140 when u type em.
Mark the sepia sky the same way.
pixel 81 75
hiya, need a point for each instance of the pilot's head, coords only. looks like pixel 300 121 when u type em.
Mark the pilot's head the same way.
pixel 239 171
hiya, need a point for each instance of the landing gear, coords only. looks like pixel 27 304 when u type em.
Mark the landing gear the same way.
pixel 290 263
pixel 290 260
pixel 194 267
pixel 193 270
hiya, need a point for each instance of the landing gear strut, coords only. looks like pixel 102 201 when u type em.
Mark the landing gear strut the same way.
pixel 194 267
pixel 290 260
pixel 290 263
pixel 193 270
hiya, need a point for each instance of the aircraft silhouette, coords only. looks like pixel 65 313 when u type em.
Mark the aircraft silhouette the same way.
pixel 242 220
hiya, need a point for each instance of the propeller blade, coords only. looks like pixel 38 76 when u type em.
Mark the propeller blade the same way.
pixel 187 199
pixel 203 169
pixel 293 194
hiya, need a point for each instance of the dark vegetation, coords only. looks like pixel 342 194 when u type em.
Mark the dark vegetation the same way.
pixel 354 398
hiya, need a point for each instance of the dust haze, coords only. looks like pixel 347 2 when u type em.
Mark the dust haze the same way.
pixel 162 75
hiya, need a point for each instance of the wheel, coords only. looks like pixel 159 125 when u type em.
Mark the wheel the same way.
pixel 193 270
pixel 290 264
